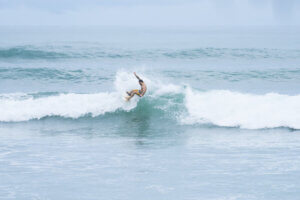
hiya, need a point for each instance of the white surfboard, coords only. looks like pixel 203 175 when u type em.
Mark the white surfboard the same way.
pixel 126 97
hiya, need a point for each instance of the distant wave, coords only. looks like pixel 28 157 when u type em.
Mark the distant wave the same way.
pixel 19 73
pixel 27 53
pixel 246 53
pixel 32 52
pixel 77 75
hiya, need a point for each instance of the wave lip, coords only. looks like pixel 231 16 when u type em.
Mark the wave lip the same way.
pixel 233 109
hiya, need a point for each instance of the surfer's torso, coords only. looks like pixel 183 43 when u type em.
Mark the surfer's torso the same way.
pixel 143 90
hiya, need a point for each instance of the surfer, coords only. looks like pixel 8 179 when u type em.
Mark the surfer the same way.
pixel 140 92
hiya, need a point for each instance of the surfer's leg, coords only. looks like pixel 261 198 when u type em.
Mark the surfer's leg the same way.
pixel 129 93
pixel 132 93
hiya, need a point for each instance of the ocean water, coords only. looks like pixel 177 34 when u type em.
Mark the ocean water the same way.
pixel 220 119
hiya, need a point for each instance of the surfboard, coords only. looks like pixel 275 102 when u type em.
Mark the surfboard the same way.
pixel 125 97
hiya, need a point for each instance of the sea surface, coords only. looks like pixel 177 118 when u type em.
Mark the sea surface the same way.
pixel 220 119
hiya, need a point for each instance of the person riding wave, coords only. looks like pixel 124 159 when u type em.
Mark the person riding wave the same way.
pixel 140 92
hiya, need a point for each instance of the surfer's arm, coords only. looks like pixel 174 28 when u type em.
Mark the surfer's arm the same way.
pixel 137 76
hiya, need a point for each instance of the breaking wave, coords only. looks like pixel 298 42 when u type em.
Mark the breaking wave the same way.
pixel 18 107
pixel 182 104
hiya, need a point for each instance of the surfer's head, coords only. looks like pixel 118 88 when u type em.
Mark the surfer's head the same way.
pixel 141 81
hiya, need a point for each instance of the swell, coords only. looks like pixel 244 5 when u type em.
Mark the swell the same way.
pixel 86 52
pixel 52 74
pixel 27 53
pixel 274 75
pixel 19 73
pixel 246 53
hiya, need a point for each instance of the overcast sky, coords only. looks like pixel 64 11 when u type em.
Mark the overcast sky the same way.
pixel 150 12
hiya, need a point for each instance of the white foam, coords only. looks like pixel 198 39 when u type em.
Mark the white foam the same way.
pixel 14 109
pixel 226 108
pixel 64 105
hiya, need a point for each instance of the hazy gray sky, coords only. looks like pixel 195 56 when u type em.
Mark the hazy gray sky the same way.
pixel 150 12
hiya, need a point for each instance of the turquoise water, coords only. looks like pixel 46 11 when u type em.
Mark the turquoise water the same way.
pixel 220 119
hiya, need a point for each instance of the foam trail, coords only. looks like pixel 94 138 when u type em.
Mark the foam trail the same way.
pixel 232 109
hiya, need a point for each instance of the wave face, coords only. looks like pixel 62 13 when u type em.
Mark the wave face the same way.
pixel 233 109
pixel 74 52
